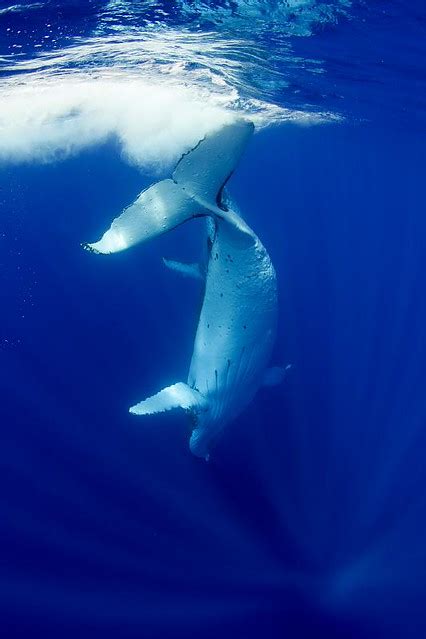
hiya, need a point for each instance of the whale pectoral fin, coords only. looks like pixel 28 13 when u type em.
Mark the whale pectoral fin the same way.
pixel 188 270
pixel 178 395
pixel 275 375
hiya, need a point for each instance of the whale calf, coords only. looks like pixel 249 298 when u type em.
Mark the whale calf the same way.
pixel 237 324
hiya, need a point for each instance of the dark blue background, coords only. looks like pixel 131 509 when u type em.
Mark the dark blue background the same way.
pixel 310 518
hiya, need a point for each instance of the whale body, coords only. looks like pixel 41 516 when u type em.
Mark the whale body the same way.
pixel 237 324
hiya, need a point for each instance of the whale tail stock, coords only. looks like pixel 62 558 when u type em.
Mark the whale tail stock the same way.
pixel 194 190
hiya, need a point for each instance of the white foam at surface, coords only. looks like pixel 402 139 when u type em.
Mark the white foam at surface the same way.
pixel 157 95
pixel 54 119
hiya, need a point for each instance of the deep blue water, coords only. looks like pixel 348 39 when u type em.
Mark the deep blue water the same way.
pixel 309 520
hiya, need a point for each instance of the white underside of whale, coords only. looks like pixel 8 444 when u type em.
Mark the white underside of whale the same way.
pixel 237 323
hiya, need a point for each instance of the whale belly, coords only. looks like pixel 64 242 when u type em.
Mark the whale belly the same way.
pixel 237 325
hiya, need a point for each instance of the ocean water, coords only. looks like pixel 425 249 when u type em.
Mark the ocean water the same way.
pixel 309 520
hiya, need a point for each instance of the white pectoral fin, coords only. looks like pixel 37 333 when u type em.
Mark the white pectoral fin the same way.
pixel 188 270
pixel 275 375
pixel 178 395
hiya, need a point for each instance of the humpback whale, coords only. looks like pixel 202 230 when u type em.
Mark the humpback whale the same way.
pixel 237 324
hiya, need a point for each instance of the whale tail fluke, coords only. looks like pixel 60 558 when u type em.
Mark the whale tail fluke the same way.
pixel 178 395
pixel 157 210
pixel 194 190
pixel 205 170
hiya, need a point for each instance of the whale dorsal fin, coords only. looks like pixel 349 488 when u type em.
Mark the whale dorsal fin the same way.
pixel 178 395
